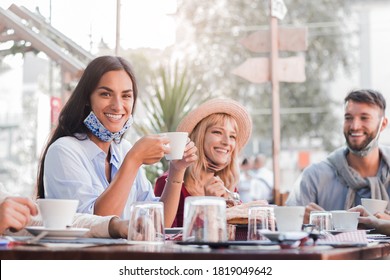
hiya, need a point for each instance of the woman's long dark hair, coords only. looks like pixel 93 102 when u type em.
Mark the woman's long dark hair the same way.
pixel 77 108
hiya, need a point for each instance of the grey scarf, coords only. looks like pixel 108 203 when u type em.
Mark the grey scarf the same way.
pixel 354 181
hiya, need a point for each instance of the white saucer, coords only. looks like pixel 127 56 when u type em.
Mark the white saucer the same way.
pixel 67 233
pixel 284 236
pixel 337 231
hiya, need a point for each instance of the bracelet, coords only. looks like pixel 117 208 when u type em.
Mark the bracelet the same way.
pixel 173 181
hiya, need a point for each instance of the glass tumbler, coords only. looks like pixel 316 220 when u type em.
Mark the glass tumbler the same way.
pixel 205 219
pixel 146 223
pixel 322 220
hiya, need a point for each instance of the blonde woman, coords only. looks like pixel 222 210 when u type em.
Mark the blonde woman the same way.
pixel 219 128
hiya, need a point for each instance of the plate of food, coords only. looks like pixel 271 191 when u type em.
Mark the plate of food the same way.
pixel 238 214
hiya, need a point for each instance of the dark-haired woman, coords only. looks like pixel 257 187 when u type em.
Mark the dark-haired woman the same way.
pixel 87 157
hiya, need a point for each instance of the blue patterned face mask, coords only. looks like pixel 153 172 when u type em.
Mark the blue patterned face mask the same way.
pixel 97 128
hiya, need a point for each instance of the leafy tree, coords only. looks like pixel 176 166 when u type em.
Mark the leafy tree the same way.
pixel 211 32
pixel 173 97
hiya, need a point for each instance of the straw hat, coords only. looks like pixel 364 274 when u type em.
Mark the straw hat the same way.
pixel 220 105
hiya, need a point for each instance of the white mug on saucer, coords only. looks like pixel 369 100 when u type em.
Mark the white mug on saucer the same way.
pixel 289 218
pixel 57 213
pixel 344 220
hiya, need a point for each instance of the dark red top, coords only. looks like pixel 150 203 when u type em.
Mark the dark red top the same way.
pixel 158 189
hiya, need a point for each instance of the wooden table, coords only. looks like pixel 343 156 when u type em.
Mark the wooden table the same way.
pixel 171 251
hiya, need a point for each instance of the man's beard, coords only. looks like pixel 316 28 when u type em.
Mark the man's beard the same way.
pixel 367 146
pixel 359 146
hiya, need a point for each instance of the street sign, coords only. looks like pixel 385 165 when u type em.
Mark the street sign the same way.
pixel 275 69
pixel 290 39
pixel 292 69
pixel 257 70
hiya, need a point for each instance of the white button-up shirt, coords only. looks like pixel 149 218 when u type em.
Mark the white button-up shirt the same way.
pixel 75 169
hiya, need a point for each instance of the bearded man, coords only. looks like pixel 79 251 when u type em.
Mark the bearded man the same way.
pixel 359 170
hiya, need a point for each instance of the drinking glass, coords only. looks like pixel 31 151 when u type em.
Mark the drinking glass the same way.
pixel 204 219
pixel 146 223
pixel 257 220
pixel 322 220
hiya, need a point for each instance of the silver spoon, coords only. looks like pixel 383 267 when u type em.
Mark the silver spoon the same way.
pixel 233 195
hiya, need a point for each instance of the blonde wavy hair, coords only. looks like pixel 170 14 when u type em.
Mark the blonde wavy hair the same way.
pixel 230 174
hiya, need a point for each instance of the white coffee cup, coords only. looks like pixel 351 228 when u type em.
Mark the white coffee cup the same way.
pixel 146 223
pixel 289 218
pixel 57 213
pixel 177 143
pixel 205 219
pixel 345 220
pixel 374 205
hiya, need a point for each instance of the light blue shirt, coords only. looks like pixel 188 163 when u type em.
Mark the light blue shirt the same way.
pixel 75 169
